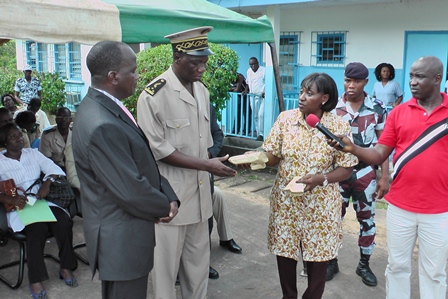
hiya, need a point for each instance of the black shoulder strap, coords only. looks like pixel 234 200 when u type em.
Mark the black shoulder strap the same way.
pixel 425 140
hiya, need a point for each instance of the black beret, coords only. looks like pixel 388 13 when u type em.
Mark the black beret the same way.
pixel 356 70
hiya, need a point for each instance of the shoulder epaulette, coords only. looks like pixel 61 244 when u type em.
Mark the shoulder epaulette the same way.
pixel 46 131
pixel 379 102
pixel 155 86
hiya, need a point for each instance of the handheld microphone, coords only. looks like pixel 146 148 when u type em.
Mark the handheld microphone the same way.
pixel 313 121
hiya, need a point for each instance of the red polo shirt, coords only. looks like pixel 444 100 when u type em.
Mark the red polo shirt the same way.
pixel 422 184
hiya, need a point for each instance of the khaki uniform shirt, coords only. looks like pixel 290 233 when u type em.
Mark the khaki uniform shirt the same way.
pixel 172 119
pixel 52 145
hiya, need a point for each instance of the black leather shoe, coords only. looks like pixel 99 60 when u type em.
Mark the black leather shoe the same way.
pixel 260 138
pixel 231 245
pixel 332 269
pixel 212 273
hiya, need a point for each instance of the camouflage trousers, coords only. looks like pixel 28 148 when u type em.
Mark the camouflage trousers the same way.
pixel 361 188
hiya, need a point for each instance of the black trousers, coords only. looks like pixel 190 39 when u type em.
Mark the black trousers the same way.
pixel 247 118
pixel 127 289
pixel 287 270
pixel 36 236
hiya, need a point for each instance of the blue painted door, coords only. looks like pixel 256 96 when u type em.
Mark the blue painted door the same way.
pixel 423 43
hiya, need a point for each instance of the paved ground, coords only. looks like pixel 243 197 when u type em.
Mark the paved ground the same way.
pixel 251 274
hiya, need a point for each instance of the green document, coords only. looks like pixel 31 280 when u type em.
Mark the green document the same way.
pixel 39 212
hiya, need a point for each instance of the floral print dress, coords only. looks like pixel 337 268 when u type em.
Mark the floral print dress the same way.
pixel 314 218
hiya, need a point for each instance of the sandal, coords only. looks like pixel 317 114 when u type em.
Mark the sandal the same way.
pixel 70 282
pixel 41 295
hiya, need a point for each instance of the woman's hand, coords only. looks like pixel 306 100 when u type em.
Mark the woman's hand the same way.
pixel 44 190
pixel 311 181
pixel 19 202
pixel 246 166
pixel 13 203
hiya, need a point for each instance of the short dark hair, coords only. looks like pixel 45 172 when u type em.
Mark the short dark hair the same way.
pixel 253 58
pixel 380 66
pixel 63 109
pixel 6 95
pixel 25 118
pixel 35 101
pixel 105 56
pixel 324 84
pixel 4 130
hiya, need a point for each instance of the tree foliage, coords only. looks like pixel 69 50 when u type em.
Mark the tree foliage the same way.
pixel 221 72
pixel 8 77
pixel 53 92
pixel 53 88
pixel 8 55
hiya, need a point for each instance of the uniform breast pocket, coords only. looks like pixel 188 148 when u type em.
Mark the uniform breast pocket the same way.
pixel 178 132
pixel 369 134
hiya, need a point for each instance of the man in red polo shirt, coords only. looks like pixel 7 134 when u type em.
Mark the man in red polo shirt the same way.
pixel 418 205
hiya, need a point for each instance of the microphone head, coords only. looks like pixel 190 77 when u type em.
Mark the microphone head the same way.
pixel 312 120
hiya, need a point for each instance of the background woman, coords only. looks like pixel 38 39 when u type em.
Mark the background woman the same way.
pixel 312 219
pixel 387 91
pixel 25 167
pixel 10 103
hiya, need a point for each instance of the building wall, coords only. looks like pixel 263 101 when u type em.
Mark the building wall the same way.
pixel 376 32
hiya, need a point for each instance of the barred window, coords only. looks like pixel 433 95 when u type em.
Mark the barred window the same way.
pixel 60 60
pixel 36 56
pixel 74 61
pixel 328 48
pixel 288 59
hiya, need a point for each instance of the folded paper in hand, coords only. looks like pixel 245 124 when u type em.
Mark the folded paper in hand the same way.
pixel 294 187
pixel 257 160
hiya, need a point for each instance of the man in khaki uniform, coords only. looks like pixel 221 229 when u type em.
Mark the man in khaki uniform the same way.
pixel 54 140
pixel 173 111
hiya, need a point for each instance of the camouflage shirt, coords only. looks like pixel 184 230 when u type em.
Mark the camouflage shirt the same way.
pixel 27 90
pixel 370 118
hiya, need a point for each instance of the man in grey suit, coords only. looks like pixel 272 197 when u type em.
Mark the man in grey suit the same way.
pixel 122 192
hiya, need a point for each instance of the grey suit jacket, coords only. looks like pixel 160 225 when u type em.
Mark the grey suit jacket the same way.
pixel 122 192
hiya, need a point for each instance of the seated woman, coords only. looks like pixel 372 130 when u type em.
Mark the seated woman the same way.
pixel 10 103
pixel 25 167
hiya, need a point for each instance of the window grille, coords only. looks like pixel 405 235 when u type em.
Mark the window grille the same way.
pixel 31 54
pixel 74 61
pixel 36 56
pixel 288 60
pixel 60 60
pixel 328 48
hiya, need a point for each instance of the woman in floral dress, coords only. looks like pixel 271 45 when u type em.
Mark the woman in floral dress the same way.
pixel 313 219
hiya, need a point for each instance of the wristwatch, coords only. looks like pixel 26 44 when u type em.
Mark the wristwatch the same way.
pixel 325 182
pixel 52 179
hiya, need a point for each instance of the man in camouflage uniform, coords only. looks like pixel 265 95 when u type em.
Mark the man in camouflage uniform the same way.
pixel 27 87
pixel 367 118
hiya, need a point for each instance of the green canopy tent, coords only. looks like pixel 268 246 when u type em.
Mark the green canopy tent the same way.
pixel 131 21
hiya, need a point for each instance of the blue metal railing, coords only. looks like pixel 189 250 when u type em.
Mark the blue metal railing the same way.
pixel 237 119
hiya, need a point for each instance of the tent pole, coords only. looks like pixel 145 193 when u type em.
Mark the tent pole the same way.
pixel 278 81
